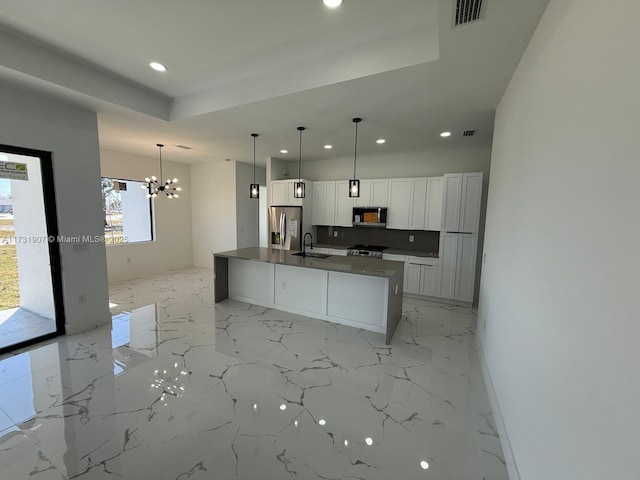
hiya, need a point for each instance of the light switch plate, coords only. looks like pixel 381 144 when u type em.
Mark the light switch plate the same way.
pixel 411 238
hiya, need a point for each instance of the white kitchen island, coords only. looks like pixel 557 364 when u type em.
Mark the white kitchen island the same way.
pixel 356 291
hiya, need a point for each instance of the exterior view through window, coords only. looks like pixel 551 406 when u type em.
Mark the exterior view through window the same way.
pixel 127 212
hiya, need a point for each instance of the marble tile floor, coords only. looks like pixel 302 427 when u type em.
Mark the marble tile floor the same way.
pixel 179 388
pixel 19 325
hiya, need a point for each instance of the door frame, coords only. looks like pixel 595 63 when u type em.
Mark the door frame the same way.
pixel 51 217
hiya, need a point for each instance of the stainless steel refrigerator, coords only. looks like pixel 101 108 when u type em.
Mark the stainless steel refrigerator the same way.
pixel 285 227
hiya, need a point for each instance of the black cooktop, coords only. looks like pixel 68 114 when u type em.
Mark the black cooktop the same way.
pixel 372 248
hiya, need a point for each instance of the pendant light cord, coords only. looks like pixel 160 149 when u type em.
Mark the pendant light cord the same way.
pixel 355 152
pixel 160 148
pixel 299 155
pixel 254 135
pixel 300 129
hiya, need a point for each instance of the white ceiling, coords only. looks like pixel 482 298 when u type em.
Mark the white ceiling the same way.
pixel 242 66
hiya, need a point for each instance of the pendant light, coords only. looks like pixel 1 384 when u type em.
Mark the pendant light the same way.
pixel 254 188
pixel 298 187
pixel 354 183
pixel 154 186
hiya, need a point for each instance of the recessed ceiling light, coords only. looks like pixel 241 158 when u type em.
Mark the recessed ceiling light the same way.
pixel 445 134
pixel 158 67
pixel 332 3
pixel 380 141
pixel 328 147
pixel 284 151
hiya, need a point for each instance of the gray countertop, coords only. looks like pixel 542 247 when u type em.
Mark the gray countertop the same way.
pixel 373 267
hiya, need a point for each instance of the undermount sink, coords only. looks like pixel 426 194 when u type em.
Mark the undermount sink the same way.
pixel 312 255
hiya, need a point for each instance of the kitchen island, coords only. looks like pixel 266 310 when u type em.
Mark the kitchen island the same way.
pixel 356 291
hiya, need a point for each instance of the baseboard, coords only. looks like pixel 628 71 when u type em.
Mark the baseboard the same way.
pixel 512 467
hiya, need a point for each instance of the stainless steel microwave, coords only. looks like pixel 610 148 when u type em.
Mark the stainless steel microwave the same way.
pixel 369 217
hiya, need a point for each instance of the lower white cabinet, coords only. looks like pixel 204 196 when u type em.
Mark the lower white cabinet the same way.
pixel 429 280
pixel 301 288
pixel 458 265
pixel 357 298
pixel 411 278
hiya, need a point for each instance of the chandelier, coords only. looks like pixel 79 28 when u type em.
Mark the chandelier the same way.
pixel 155 186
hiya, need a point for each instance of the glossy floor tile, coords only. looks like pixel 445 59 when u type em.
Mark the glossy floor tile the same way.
pixel 180 388
pixel 19 325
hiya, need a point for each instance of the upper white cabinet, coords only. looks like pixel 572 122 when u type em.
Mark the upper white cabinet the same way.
pixel 373 193
pixel 344 205
pixel 324 203
pixel 398 213
pixel 418 203
pixel 470 203
pixel 379 193
pixel 279 192
pixel 332 204
pixel 282 193
pixel 433 210
pixel 462 198
pixel 364 200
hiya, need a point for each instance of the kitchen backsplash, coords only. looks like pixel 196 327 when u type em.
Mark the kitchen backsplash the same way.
pixel 399 239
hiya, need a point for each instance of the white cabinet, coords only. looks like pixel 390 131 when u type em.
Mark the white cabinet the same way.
pixel 418 205
pixel 373 193
pixel 458 253
pixel 324 203
pixel 429 281
pixel 448 259
pixel 398 212
pixel 407 203
pixel 344 205
pixel 462 198
pixel 301 288
pixel 279 192
pixel 466 267
pixel 411 278
pixel 433 209
pixel 451 202
pixel 470 203
pixel 282 193
pixel 379 193
pixel 364 200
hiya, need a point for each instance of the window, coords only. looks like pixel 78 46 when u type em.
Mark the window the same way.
pixel 127 212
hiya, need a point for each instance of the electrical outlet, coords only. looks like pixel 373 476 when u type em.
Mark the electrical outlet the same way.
pixel 128 259
pixel 283 284
pixel 82 298
pixel 335 233
pixel 411 238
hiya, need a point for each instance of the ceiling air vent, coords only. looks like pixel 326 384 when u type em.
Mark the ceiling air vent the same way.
pixel 184 147
pixel 468 133
pixel 468 11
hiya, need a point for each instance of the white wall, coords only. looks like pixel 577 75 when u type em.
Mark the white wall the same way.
pixel 33 121
pixel 247 208
pixel 560 285
pixel 213 210
pixel 223 215
pixel 433 162
pixel 172 247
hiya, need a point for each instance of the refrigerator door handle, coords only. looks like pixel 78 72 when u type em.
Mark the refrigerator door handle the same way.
pixel 283 234
pixel 282 230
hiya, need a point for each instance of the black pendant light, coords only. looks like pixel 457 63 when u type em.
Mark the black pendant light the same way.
pixel 155 186
pixel 354 183
pixel 254 188
pixel 298 187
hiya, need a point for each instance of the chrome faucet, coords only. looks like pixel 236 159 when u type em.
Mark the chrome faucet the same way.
pixel 304 244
